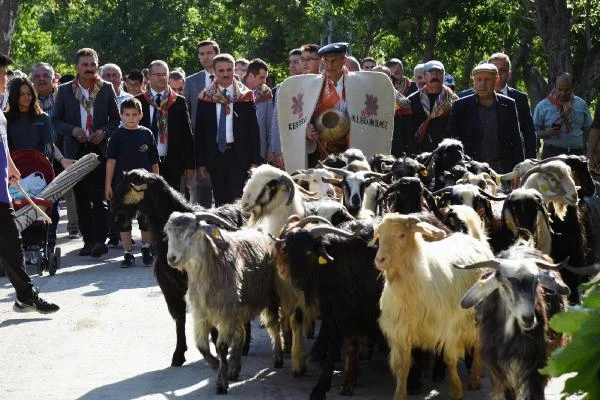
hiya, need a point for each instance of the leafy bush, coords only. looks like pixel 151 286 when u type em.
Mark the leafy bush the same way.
pixel 582 354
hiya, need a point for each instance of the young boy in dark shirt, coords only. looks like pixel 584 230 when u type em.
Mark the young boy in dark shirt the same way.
pixel 131 146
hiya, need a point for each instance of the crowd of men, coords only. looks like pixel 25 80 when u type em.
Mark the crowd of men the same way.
pixel 212 126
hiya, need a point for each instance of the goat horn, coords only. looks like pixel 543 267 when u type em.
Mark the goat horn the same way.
pixel 339 171
pixel 481 264
pixel 507 177
pixel 547 265
pixel 489 196
pixel 527 174
pixel 447 189
pixel 313 195
pixel 371 174
pixel 286 180
pixel 275 238
pixel 312 219
pixel 587 270
pixel 210 217
pixel 139 188
pixel 320 230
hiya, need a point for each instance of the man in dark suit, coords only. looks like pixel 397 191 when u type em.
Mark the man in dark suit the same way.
pixel 502 62
pixel 487 124
pixel 227 133
pixel 200 189
pixel 85 115
pixel 165 113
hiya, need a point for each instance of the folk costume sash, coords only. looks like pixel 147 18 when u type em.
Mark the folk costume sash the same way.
pixel 441 108
pixel 212 94
pixel 402 106
pixel 563 108
pixel 87 103
pixel 328 99
pixel 404 85
pixel 262 94
pixel 163 112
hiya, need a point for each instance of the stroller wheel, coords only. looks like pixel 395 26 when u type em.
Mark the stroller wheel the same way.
pixel 58 254
pixel 52 264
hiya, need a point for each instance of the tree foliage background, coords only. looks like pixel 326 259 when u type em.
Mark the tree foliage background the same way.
pixel 541 36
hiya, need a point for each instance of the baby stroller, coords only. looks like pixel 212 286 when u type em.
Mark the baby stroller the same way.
pixel 38 238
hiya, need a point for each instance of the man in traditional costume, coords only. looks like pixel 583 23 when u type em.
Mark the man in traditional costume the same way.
pixel 85 115
pixel 165 113
pixel 227 133
pixel 334 110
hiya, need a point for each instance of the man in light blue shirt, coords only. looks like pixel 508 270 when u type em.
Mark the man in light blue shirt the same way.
pixel 562 120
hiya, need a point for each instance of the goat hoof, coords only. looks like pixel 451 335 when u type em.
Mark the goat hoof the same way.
pixel 222 389
pixel 346 390
pixel 299 372
pixel 317 394
pixel 177 360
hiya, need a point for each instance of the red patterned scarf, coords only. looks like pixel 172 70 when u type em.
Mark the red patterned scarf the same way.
pixel 163 112
pixel 212 94
pixel 262 94
pixel 87 103
pixel 441 108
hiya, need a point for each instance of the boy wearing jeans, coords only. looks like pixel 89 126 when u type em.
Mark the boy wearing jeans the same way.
pixel 131 146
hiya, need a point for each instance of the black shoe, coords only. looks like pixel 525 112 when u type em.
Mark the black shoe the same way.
pixel 86 250
pixel 128 260
pixel 147 257
pixel 113 242
pixel 35 303
pixel 99 249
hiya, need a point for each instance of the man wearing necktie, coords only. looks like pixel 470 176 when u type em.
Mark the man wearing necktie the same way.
pixel 227 134
pixel 200 189
pixel 165 113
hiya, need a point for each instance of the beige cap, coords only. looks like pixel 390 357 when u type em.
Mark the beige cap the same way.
pixel 485 67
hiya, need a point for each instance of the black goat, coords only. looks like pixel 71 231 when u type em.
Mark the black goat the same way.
pixel 513 319
pixel 152 195
pixel 336 267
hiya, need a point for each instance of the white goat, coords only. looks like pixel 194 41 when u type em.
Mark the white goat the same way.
pixel 231 280
pixel 420 299
pixel 554 182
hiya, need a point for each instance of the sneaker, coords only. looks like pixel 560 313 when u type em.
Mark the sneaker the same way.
pixel 74 235
pixel 86 250
pixel 36 303
pixel 128 260
pixel 147 257
pixel 98 250
pixel 113 242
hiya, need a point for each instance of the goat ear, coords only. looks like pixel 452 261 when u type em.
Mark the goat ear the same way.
pixel 551 281
pixel 324 256
pixel 429 231
pixel 214 235
pixel 139 188
pixel 479 291
pixel 509 220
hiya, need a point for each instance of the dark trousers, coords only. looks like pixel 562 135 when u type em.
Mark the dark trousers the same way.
pixel 227 177
pixel 11 251
pixel 92 209
pixel 173 179
pixel 551 151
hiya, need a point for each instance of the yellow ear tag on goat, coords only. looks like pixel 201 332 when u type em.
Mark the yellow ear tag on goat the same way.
pixel 424 172
pixel 322 260
pixel 216 233
pixel 544 187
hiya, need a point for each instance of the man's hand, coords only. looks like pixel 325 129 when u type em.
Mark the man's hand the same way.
pixel 13 173
pixel 97 137
pixel 188 173
pixel 311 132
pixel 203 172
pixel 108 193
pixel 79 134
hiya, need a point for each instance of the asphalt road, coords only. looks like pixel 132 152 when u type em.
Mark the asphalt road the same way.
pixel 113 339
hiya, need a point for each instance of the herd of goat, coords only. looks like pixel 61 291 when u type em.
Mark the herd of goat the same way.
pixel 433 253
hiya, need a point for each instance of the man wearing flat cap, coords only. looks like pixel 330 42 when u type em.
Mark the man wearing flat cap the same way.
pixel 332 98
pixel 322 114
pixel 430 109
pixel 487 123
